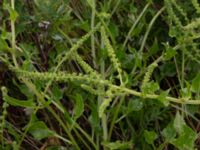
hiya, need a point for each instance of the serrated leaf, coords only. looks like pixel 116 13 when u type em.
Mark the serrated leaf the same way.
pixel 118 145
pixel 79 106
pixel 169 132
pixel 179 123
pixel 186 139
pixel 150 136
pixel 39 130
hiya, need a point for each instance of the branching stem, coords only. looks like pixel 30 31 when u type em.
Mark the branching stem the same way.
pixel 64 77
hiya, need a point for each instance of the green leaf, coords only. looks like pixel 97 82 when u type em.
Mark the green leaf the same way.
pixel 85 26
pixel 186 92
pixel 21 103
pixel 162 97
pixel 154 48
pixel 169 132
pixel 150 136
pixel 138 59
pixel 117 145
pixel 196 84
pixel 94 117
pixel 170 52
pixel 3 45
pixel 13 15
pixel 79 107
pixel 114 29
pixel 57 93
pixel 94 120
pixel 12 12
pixel 39 130
pixel 168 69
pixel 5 34
pixel 26 91
pixel 150 87
pixel 135 105
pixel 173 32
pixel 179 123
pixel 186 139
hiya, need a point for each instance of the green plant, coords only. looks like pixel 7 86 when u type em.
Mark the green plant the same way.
pixel 99 74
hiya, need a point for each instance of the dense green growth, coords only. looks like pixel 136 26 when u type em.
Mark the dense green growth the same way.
pixel 107 74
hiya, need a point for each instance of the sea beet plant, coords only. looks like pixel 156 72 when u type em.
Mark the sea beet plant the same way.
pixel 115 74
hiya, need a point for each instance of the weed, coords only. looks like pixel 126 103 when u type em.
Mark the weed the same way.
pixel 99 74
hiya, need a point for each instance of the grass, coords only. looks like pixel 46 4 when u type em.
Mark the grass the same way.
pixel 99 74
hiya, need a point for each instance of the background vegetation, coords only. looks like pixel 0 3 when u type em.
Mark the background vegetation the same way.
pixel 99 74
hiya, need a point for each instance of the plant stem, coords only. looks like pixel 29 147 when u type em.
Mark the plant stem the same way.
pixel 66 77
pixel 105 129
pixel 134 24
pixel 115 117
pixel 41 100
pixel 72 50
pixel 92 36
pixel 13 44
pixel 100 99
pixel 149 28
pixel 182 69
pixel 86 135
pixel 105 25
